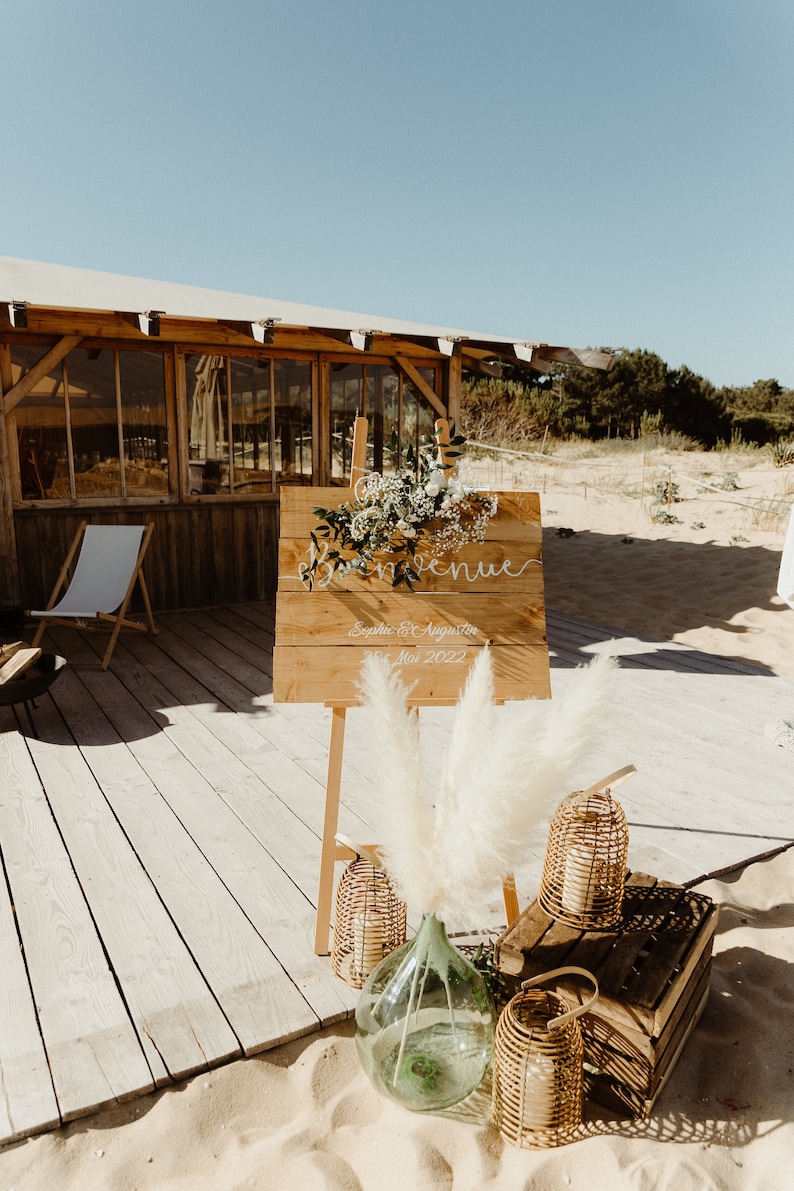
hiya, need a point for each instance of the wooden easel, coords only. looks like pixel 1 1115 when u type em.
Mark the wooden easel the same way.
pixel 331 849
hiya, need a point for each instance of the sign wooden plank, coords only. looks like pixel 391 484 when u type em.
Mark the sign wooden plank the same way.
pixel 316 674
pixel 488 593
pixel 517 516
pixel 356 618
pixel 513 567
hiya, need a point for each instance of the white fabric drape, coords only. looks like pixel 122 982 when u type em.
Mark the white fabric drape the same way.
pixel 206 420
pixel 785 583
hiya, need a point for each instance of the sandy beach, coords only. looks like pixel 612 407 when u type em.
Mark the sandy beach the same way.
pixel 304 1115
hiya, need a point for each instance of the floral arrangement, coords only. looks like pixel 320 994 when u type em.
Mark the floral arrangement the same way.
pixel 423 504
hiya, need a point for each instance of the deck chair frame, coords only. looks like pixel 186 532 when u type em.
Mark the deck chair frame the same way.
pixel 119 618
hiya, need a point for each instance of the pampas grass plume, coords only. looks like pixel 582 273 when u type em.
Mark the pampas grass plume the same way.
pixel 449 838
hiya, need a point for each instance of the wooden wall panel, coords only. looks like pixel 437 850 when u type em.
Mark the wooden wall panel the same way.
pixel 199 555
pixel 9 576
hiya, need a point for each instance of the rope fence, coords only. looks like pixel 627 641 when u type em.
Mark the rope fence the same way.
pixel 658 472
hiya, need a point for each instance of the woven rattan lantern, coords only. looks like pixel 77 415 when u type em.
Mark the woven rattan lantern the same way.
pixel 538 1077
pixel 369 921
pixel 585 865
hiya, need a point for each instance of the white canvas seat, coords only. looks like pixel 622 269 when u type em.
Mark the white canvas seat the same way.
pixel 108 567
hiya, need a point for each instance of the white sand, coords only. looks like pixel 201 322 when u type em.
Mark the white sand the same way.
pixel 304 1115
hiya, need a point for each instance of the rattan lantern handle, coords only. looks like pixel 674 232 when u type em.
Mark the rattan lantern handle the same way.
pixel 364 853
pixel 556 1022
pixel 614 779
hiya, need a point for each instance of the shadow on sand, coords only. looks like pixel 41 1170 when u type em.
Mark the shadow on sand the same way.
pixel 639 583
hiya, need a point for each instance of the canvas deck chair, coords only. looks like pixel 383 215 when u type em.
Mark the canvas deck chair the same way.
pixel 107 569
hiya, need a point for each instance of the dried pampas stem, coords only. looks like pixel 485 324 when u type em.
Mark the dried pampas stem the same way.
pixel 448 841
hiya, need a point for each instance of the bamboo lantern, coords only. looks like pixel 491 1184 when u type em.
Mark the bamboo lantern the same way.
pixel 370 919
pixel 538 1076
pixel 585 865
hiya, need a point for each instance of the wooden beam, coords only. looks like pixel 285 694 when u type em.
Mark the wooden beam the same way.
pixel 584 357
pixel 453 373
pixel 34 375
pixel 541 365
pixel 538 355
pixel 323 473
pixel 421 384
pixel 358 459
pixel 482 367
pixel 9 567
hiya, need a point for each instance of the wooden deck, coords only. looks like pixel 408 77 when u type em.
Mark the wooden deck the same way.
pixel 160 842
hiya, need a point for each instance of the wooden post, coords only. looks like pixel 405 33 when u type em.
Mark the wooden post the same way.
pixel 510 899
pixel 330 822
pixel 358 459
pixel 453 376
pixel 10 595
pixel 442 438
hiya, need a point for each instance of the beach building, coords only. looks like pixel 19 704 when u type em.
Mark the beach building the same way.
pixel 128 400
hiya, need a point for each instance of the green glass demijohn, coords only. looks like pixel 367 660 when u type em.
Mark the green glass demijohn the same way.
pixel 425 1023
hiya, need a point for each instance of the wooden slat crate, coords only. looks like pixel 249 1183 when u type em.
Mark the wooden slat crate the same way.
pixel 653 972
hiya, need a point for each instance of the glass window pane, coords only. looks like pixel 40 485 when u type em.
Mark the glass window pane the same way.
pixel 347 392
pixel 144 424
pixel 91 387
pixel 383 407
pixel 418 416
pixel 208 437
pixel 41 430
pixel 292 387
pixel 251 441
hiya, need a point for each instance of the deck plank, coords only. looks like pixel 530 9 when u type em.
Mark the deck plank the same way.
pixel 242 829
pixel 92 1048
pixel 27 1097
pixel 174 825
pixel 178 1020
pixel 279 802
pixel 300 763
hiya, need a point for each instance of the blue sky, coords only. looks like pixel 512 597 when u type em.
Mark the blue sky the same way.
pixel 590 172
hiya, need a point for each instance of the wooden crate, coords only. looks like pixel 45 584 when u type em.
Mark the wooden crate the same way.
pixel 653 972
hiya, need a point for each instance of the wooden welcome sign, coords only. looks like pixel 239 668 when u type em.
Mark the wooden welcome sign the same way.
pixel 488 593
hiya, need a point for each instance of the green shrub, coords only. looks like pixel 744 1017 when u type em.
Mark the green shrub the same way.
pixel 782 452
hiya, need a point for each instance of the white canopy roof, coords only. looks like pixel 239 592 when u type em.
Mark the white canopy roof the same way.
pixel 64 288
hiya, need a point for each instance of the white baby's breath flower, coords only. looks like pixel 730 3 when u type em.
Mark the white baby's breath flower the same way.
pixel 390 510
